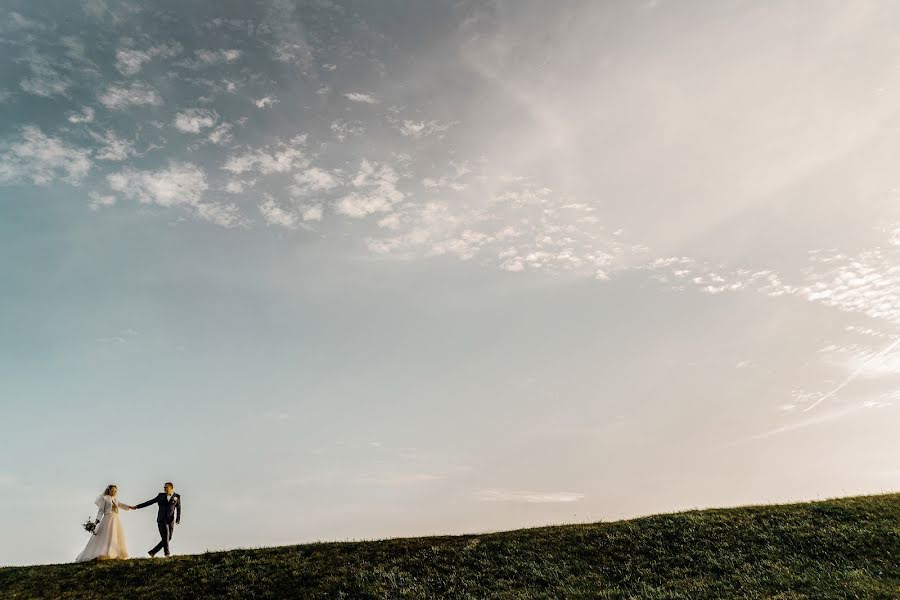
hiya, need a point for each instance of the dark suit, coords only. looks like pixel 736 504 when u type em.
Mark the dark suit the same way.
pixel 168 515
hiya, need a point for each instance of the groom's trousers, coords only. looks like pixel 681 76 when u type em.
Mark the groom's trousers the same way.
pixel 165 534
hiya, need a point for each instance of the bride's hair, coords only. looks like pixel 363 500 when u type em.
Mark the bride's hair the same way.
pixel 109 489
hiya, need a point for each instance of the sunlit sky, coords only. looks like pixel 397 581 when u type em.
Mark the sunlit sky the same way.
pixel 353 269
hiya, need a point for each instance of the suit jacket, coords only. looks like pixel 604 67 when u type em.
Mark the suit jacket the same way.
pixel 169 510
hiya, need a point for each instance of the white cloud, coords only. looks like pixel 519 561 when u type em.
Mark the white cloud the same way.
pixel 179 185
pixel 221 134
pixel 275 215
pixel 236 186
pixel 19 21
pixel 99 201
pixel 399 478
pixel 419 129
pixel 193 120
pixel 119 97
pixel 266 102
pixel 45 79
pixel 207 58
pixel 41 159
pixel 224 215
pixel 495 495
pixel 85 116
pixel 376 191
pixel 364 98
pixel 342 129
pixel 280 157
pixel 113 148
pixel 311 212
pixel 314 179
pixel 130 61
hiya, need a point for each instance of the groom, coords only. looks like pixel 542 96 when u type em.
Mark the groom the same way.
pixel 168 516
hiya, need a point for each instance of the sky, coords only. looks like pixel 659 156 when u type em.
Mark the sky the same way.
pixel 353 270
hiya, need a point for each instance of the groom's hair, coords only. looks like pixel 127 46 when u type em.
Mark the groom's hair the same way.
pixel 169 484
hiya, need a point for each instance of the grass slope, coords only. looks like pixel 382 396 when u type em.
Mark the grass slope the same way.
pixel 847 548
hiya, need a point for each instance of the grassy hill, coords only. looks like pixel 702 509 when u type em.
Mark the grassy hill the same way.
pixel 847 548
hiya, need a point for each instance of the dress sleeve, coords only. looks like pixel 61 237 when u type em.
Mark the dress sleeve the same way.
pixel 123 506
pixel 101 503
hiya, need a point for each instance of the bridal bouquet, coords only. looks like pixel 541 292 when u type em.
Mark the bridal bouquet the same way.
pixel 90 526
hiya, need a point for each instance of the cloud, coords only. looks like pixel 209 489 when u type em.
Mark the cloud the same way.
pixel 314 179
pixel 420 129
pixel 280 157
pixel 221 134
pixel 275 215
pixel 866 283
pixel 85 116
pixel 180 185
pixel 114 148
pixel 830 416
pixel 119 97
pixel 236 186
pixel 130 61
pixel 99 201
pixel 45 79
pixel 41 159
pixel 376 186
pixel 208 58
pixel 364 98
pixel 872 364
pixel 18 21
pixel 342 129
pixel 224 215
pixel 193 120
pixel 399 478
pixel 311 212
pixel 509 221
pixel 495 495
pixel 266 102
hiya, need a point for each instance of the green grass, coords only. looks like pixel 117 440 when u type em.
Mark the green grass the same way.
pixel 846 548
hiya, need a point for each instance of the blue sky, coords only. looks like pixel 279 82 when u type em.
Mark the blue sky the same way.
pixel 347 270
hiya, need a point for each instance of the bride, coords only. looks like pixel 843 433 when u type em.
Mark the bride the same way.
pixel 108 541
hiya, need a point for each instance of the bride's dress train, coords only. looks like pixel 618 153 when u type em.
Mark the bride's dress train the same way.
pixel 109 541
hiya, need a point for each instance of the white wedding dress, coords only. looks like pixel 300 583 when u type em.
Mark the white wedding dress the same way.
pixel 109 541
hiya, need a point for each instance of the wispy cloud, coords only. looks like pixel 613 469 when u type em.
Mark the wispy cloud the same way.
pixel 273 214
pixel 45 78
pixel 120 97
pixel 280 157
pixel 130 61
pixel 856 373
pixel 208 58
pixel 113 147
pixel 528 497
pixel 85 116
pixel 193 120
pixel 41 159
pixel 180 185
pixel 360 97
pixel 265 102
pixel 375 191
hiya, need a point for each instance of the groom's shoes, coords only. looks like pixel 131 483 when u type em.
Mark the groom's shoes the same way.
pixel 151 555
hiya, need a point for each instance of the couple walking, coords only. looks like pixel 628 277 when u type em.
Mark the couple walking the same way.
pixel 108 539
